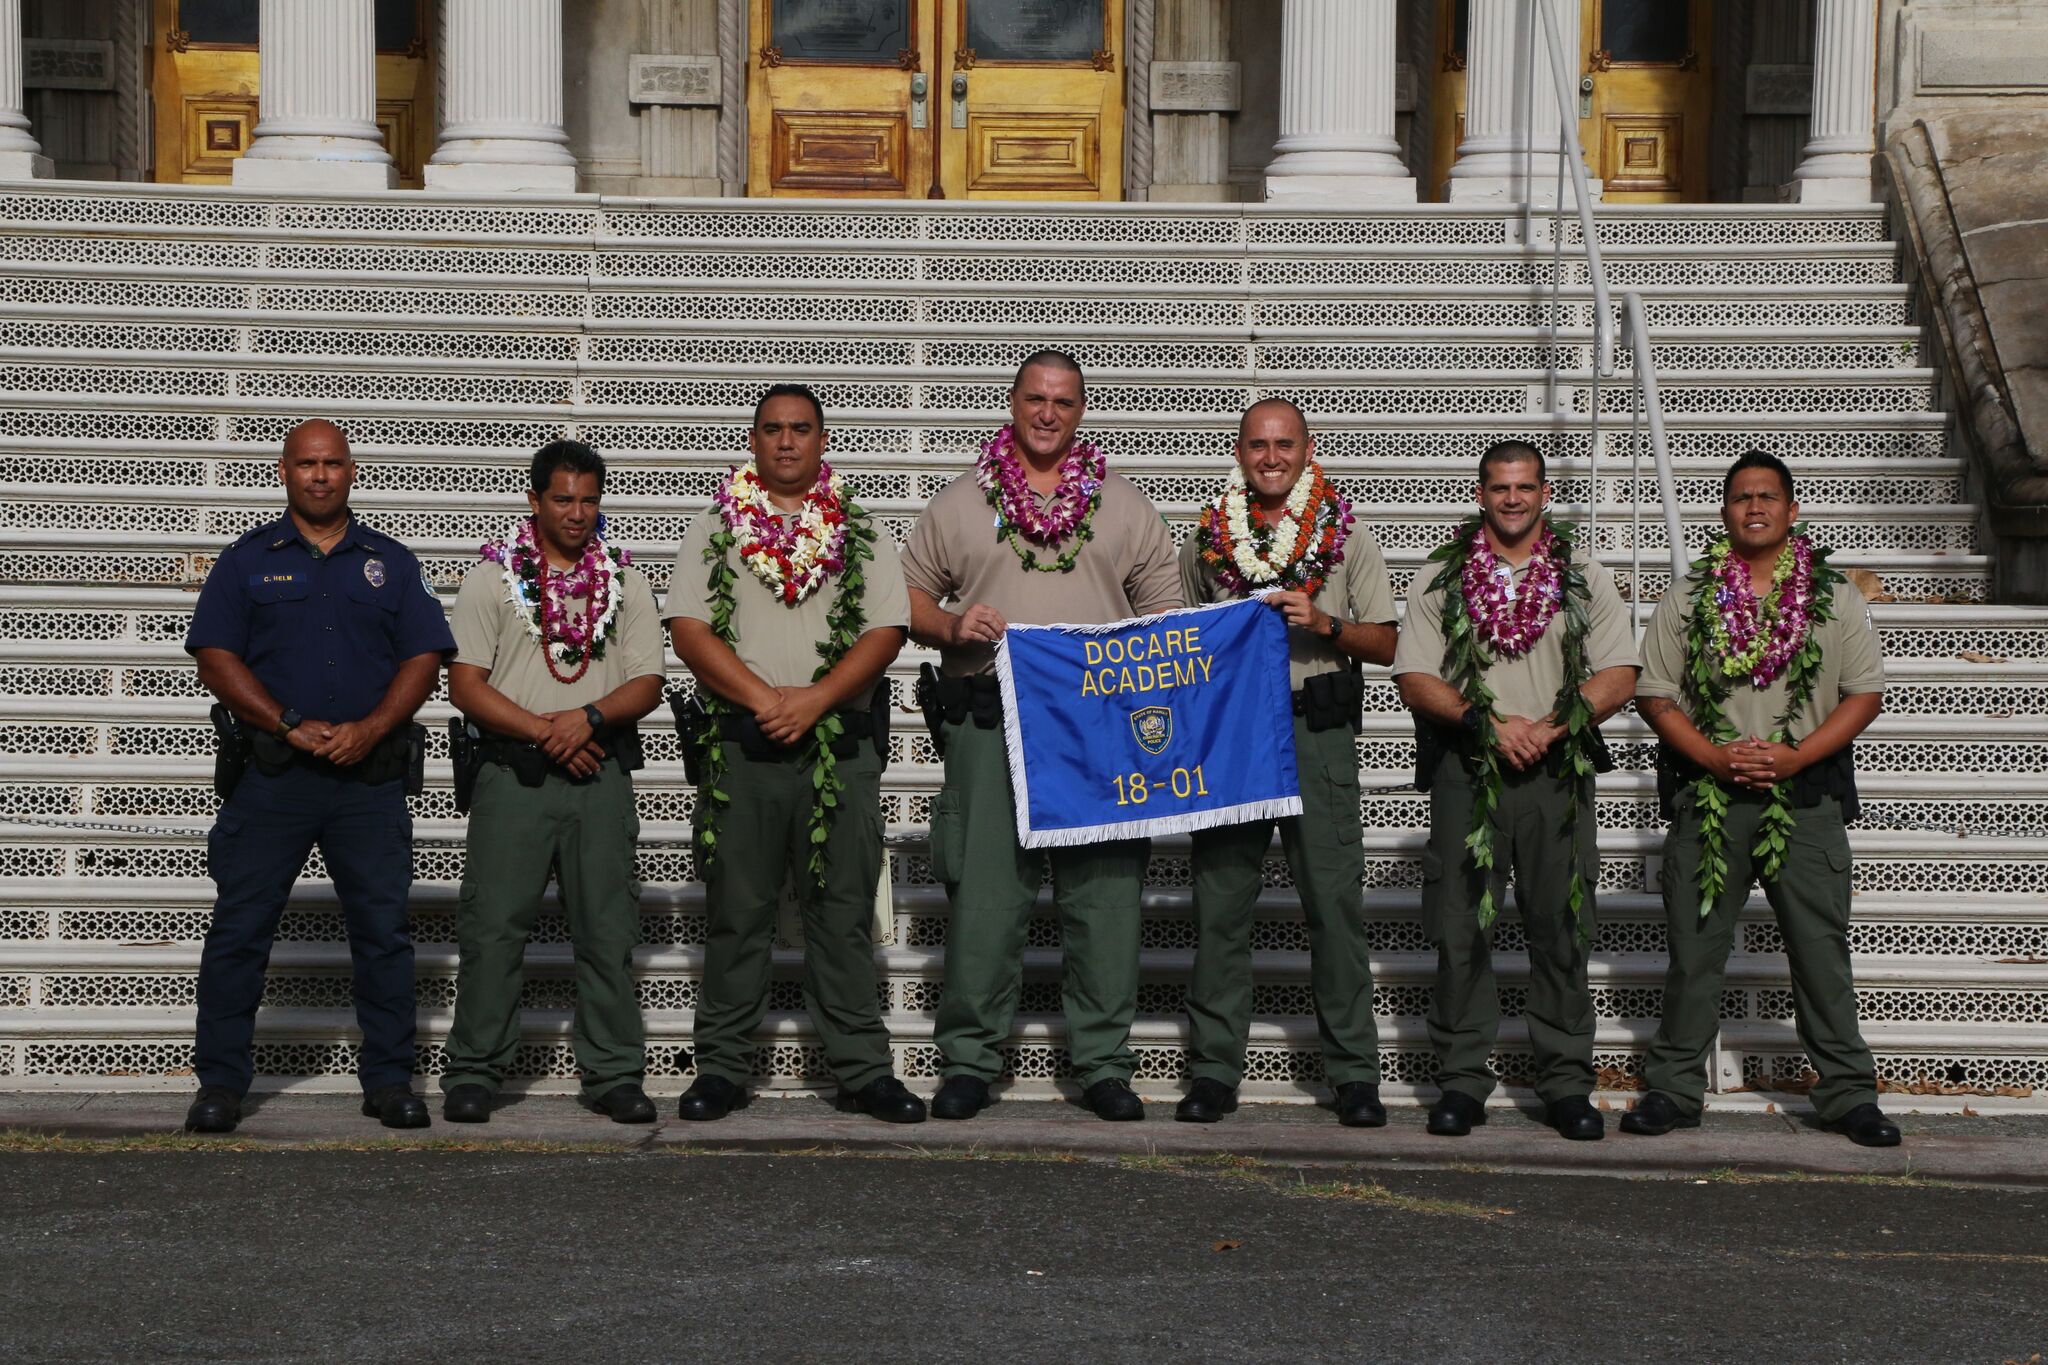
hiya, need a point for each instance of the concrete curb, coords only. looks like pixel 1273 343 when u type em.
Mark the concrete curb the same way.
pixel 1981 1149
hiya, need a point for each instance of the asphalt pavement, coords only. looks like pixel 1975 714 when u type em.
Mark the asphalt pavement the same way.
pixel 1038 1234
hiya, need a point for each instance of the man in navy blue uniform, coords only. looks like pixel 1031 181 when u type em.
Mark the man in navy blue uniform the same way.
pixel 322 637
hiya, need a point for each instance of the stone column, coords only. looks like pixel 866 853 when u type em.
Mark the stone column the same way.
pixel 1512 119
pixel 21 156
pixel 317 82
pixel 1842 138
pixel 502 127
pixel 1337 60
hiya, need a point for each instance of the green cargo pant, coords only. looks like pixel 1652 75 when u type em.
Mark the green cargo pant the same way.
pixel 1811 898
pixel 763 840
pixel 586 835
pixel 1326 853
pixel 1464 1012
pixel 992 884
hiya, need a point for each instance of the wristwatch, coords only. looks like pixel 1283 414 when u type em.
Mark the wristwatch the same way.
pixel 1336 626
pixel 1470 720
pixel 593 715
pixel 287 722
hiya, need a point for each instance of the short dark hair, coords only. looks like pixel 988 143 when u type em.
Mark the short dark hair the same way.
pixel 1052 360
pixel 1513 452
pixel 573 456
pixel 1758 459
pixel 802 391
pixel 1287 403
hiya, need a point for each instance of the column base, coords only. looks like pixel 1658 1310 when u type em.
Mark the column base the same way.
pixel 1510 189
pixel 1340 189
pixel 277 173
pixel 1829 190
pixel 500 177
pixel 25 166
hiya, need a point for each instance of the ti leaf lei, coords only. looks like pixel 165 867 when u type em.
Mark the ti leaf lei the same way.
pixel 1465 669
pixel 1706 693
pixel 843 626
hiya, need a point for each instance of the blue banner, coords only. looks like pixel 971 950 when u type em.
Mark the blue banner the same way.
pixel 1158 725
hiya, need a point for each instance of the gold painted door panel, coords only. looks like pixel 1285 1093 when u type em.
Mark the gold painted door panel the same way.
pixel 832 98
pixel 204 74
pixel 1646 138
pixel 1033 99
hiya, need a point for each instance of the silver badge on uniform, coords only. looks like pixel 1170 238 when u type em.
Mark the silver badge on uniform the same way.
pixel 373 569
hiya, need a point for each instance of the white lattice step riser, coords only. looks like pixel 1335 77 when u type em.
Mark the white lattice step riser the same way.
pixel 794 1063
pixel 1886 862
pixel 52 290
pixel 1999 643
pixel 1402 996
pixel 720 438
pixel 32 341
pixel 685 481
pixel 2020 815
pixel 1403 526
pixel 1988 939
pixel 1335 394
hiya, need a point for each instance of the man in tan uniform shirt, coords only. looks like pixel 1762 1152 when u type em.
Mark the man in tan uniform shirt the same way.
pixel 1810 891
pixel 1349 617
pixel 1121 565
pixel 553 795
pixel 1536 794
pixel 776 694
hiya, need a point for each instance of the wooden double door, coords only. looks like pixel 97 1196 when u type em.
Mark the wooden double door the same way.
pixel 1645 95
pixel 938 99
pixel 204 74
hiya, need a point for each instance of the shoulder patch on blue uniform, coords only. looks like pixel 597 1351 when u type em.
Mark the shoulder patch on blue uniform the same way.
pixel 428 584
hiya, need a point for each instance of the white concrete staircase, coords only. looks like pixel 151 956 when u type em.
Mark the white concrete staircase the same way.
pixel 155 343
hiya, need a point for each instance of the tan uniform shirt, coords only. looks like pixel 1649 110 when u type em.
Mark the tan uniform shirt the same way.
pixel 778 642
pixel 1850 663
pixel 1357 590
pixel 1127 569
pixel 491 633
pixel 1527 686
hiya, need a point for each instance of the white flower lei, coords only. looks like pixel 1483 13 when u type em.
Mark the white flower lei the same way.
pixel 1258 568
pixel 794 560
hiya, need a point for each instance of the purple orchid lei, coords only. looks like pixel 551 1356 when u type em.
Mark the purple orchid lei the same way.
pixel 1510 623
pixel 1759 636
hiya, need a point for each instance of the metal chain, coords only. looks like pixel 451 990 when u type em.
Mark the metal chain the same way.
pixel 97 826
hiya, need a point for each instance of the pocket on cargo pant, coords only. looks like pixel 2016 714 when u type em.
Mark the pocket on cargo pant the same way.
pixel 1432 895
pixel 1344 810
pixel 948 847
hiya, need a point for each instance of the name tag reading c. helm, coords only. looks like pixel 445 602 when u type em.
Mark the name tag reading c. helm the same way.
pixel 373 569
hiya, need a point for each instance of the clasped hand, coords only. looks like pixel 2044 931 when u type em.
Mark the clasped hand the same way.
pixel 793 714
pixel 1758 764
pixel 569 742
pixel 1524 742
pixel 343 745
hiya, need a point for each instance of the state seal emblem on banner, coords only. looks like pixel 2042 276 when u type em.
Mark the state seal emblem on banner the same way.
pixel 1152 727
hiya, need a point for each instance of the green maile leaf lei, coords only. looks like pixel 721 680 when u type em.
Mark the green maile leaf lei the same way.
pixel 1706 687
pixel 1465 669
pixel 843 626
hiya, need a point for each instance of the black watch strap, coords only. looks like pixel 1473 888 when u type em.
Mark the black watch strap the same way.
pixel 288 722
pixel 593 715
pixel 1470 720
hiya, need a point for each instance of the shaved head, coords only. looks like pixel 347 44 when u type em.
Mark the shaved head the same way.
pixel 316 433
pixel 1270 404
